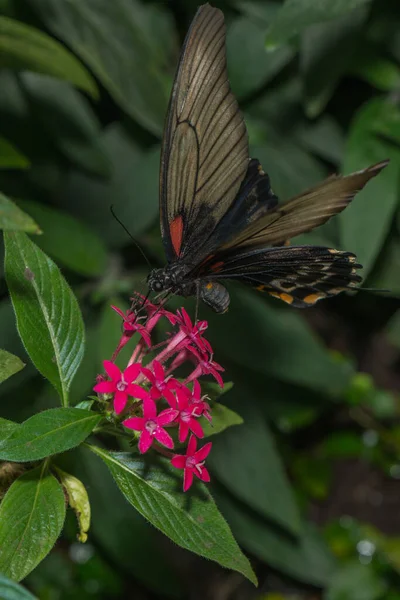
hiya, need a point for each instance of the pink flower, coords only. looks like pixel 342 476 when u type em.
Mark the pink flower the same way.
pixel 187 416
pixel 121 385
pixel 200 406
pixel 206 366
pixel 193 463
pixel 153 309
pixel 130 326
pixel 194 332
pixel 161 385
pixel 151 425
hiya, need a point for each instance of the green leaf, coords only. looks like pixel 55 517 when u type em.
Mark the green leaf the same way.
pixel 87 254
pixel 10 157
pixel 321 64
pixel 31 518
pixel 190 520
pixel 48 316
pixel 125 43
pixel 9 590
pixel 366 222
pixel 69 121
pixel 48 432
pixel 306 559
pixel 259 482
pixel 297 15
pixel 24 48
pixel 246 54
pixel 275 341
pixel 132 189
pixel 222 418
pixel 392 329
pixel 9 365
pixel 377 70
pixel 7 428
pixel 385 274
pixel 356 581
pixel 136 547
pixel 78 501
pixel 322 137
pixel 13 218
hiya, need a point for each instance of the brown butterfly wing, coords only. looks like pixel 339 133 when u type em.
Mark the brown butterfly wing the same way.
pixel 205 146
pixel 306 211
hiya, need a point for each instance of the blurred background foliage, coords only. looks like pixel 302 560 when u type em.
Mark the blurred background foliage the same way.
pixel 309 483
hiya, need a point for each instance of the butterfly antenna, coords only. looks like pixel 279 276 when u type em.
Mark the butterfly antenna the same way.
pixel 131 236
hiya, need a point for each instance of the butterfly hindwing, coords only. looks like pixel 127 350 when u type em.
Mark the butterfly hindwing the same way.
pixel 298 275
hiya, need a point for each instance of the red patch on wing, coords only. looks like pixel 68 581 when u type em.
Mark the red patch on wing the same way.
pixel 176 232
pixel 217 266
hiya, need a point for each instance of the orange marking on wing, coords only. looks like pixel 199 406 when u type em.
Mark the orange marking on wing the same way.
pixel 176 232
pixel 313 298
pixel 217 267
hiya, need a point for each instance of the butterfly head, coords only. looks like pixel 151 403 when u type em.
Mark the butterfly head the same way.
pixel 171 277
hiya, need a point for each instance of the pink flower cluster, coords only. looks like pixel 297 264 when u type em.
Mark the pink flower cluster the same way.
pixel 149 399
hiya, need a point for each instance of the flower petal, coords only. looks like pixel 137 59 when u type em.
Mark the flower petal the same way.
pixel 104 387
pixel 136 423
pixel 204 475
pixel 187 479
pixel 167 416
pixel 183 431
pixel 112 370
pixel 192 445
pixel 132 372
pixel 149 408
pixel 182 398
pixel 136 391
pixel 196 428
pixel 203 452
pixel 149 375
pixel 145 334
pixel 163 437
pixel 146 440
pixel 118 311
pixel 158 370
pixel 120 400
pixel 178 461
pixel 170 398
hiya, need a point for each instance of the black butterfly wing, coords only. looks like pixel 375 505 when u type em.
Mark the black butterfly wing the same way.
pixel 298 275
pixel 205 147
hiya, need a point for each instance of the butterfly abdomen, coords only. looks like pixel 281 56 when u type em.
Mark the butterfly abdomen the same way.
pixel 215 295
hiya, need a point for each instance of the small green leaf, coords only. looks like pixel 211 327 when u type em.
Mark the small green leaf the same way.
pixel 306 559
pixel 78 500
pixel 87 254
pixel 274 341
pixel 49 432
pixel 9 590
pixel 222 418
pixel 133 188
pixel 13 218
pixel 297 15
pixel 321 65
pixel 7 428
pixel 246 54
pixel 246 461
pixel 378 71
pixel 126 43
pixel 48 316
pixel 366 222
pixel 32 514
pixel 10 157
pixel 67 118
pixel 9 365
pixel 356 581
pixel 190 520
pixel 24 48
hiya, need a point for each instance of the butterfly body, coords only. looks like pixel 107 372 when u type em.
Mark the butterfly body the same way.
pixel 220 219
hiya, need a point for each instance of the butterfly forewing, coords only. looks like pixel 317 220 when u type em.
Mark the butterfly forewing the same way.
pixel 205 147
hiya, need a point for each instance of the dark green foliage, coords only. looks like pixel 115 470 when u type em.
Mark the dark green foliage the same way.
pixel 306 443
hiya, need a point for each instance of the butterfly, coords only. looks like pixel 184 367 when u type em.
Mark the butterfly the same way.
pixel 219 217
